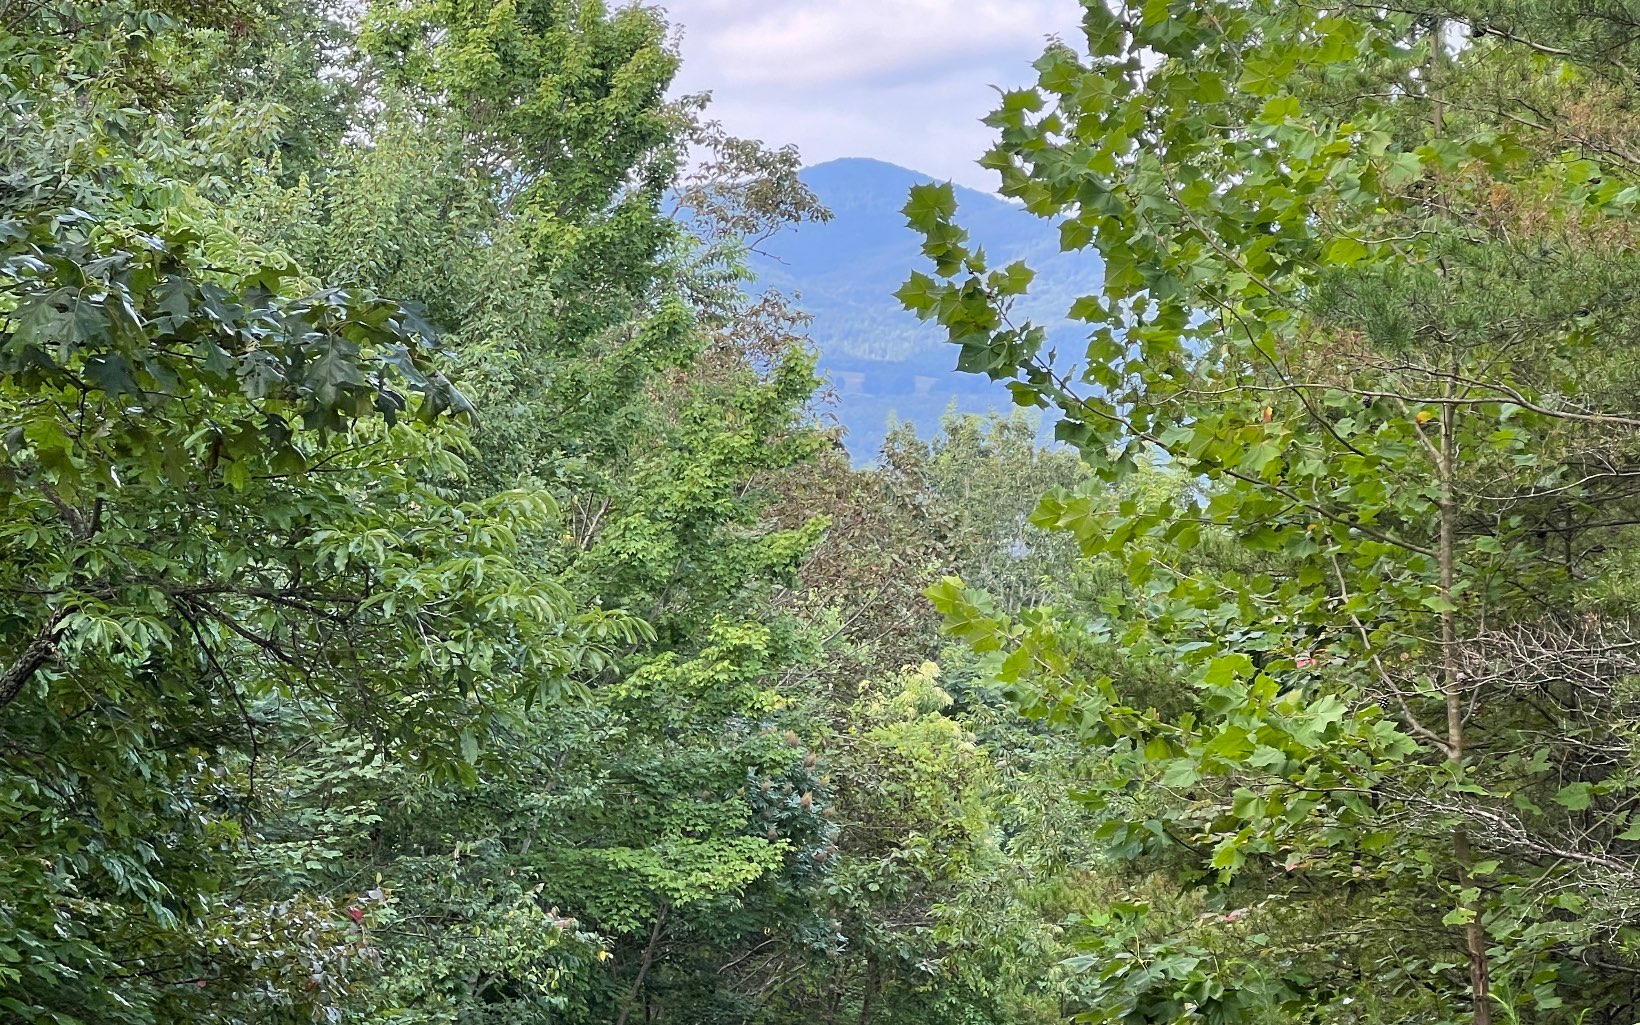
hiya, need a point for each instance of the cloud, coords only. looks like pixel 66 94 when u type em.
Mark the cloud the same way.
pixel 901 80
pixel 851 42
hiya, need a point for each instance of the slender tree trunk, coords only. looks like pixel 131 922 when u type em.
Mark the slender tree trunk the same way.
pixel 871 991
pixel 643 969
pixel 1437 102
pixel 1452 687
pixel 1451 678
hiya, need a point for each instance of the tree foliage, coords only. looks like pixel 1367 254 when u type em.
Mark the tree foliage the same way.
pixel 1365 294
pixel 431 596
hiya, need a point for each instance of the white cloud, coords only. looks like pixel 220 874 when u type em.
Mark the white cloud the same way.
pixel 850 42
pixel 901 80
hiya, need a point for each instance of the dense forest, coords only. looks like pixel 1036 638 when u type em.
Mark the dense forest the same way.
pixel 436 595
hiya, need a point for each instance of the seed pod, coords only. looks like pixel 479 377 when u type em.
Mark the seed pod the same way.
pixel 791 738
pixel 808 763
pixel 806 801
pixel 773 834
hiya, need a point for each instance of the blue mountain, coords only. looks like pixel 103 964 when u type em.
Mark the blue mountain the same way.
pixel 882 362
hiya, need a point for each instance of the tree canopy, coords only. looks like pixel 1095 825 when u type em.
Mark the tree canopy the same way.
pixel 1356 403
pixel 430 588
pixel 435 597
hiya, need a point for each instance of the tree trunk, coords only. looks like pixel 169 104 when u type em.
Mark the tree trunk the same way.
pixel 1452 688
pixel 643 968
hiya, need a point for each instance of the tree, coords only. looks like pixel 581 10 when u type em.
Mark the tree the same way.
pixel 1368 290
pixel 959 852
pixel 601 860
pixel 492 652
pixel 232 506
pixel 987 472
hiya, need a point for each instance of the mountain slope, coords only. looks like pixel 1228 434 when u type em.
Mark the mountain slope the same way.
pixel 881 360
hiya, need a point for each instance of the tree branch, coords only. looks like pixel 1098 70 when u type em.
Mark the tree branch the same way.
pixel 35 654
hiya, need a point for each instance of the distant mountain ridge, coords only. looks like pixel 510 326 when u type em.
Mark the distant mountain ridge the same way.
pixel 881 360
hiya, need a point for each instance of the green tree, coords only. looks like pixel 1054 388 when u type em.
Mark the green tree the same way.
pixel 330 690
pixel 233 508
pixel 960 852
pixel 1368 288
pixel 987 473
pixel 656 398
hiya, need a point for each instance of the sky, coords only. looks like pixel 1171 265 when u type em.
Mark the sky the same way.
pixel 906 81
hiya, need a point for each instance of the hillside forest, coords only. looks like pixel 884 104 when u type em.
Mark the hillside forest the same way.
pixel 435 592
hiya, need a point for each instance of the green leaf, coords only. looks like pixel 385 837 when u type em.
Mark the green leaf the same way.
pixel 929 205
pixel 1074 234
pixel 1013 279
pixel 111 373
pixel 1227 669
pixel 1438 603
pixel 1575 796
pixel 919 294
pixel 1181 773
pixel 1345 252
